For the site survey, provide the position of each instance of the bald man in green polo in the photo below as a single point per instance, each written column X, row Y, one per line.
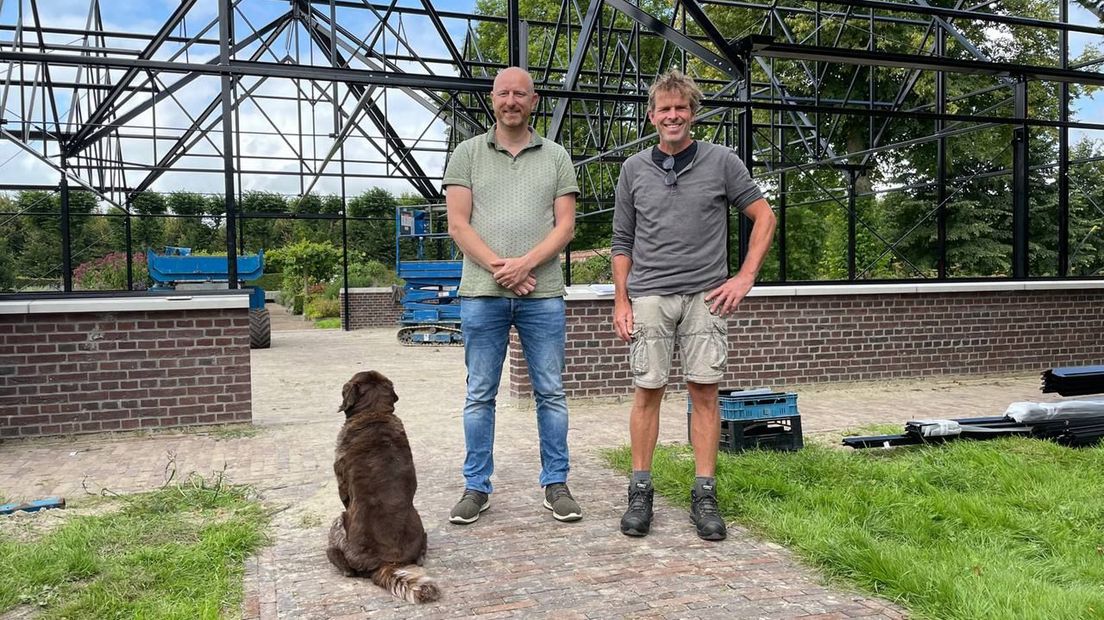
column 511, row 210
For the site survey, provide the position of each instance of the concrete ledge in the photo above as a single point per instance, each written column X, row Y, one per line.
column 126, row 304
column 590, row 292
column 370, row 289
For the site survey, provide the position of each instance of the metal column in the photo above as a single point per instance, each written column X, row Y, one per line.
column 226, row 28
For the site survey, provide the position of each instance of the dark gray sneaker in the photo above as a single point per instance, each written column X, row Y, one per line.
column 704, row 514
column 558, row 499
column 468, row 508
column 637, row 520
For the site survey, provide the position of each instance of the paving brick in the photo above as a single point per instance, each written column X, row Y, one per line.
column 516, row 561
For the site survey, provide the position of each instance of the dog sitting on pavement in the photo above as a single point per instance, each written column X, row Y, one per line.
column 379, row 535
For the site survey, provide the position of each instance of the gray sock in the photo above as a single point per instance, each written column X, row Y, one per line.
column 642, row 475
column 700, row 482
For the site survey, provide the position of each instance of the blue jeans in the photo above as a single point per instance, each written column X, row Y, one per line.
column 540, row 324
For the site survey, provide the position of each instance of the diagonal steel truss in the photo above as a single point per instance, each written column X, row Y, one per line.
column 340, row 95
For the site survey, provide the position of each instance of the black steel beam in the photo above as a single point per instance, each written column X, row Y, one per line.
column 107, row 104
column 713, row 34
column 968, row 14
column 1063, row 148
column 764, row 46
column 185, row 141
column 66, row 236
column 401, row 158
column 941, row 196
column 675, row 37
column 514, row 41
column 169, row 90
column 1020, row 172
column 574, row 66
column 226, row 35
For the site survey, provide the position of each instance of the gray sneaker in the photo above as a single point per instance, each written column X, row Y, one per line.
column 558, row 499
column 468, row 508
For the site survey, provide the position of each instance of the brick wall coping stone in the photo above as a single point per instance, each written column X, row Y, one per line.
column 587, row 292
column 369, row 289
column 150, row 303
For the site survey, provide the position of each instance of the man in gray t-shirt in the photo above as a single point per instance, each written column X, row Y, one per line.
column 671, row 283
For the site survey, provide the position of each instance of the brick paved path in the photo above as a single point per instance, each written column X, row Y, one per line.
column 516, row 561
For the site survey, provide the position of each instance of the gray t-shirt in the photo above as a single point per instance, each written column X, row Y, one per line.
column 512, row 205
column 676, row 235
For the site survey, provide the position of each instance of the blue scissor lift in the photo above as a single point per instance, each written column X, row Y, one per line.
column 431, row 304
column 178, row 269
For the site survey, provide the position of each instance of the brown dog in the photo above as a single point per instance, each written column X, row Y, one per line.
column 379, row 535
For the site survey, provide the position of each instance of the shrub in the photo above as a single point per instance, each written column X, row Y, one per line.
column 370, row 273
column 268, row 281
column 322, row 308
column 596, row 269
column 304, row 263
column 109, row 273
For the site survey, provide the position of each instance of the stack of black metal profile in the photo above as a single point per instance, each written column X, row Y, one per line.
column 919, row 432
column 1071, row 432
column 1072, row 423
column 1074, row 380
column 1074, row 433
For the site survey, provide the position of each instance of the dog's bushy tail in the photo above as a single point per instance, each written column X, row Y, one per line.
column 406, row 582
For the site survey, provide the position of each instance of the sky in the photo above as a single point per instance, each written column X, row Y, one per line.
column 258, row 143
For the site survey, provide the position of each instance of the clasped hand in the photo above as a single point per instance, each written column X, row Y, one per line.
column 514, row 274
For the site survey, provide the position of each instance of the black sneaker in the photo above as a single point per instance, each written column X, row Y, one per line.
column 468, row 508
column 637, row 520
column 704, row 514
column 558, row 499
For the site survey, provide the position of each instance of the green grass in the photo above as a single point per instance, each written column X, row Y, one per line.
column 330, row 323
column 1010, row 528
column 173, row 553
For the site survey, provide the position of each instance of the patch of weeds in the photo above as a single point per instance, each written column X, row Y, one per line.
column 234, row 431
column 175, row 552
column 330, row 323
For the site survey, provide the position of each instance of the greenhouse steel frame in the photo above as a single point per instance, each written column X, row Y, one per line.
column 75, row 99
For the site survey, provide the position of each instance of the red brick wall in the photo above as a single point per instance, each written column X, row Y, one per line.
column 93, row 372
column 371, row 307
column 776, row 341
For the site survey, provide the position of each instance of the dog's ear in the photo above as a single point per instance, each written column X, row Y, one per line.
column 349, row 396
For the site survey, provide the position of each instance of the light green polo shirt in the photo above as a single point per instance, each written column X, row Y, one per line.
column 511, row 205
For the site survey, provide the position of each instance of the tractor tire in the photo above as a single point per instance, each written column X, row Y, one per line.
column 260, row 329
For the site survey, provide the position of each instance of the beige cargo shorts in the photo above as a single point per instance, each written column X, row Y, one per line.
column 661, row 320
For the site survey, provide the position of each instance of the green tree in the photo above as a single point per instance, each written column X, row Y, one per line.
column 149, row 229
column 304, row 264
column 12, row 240
column 39, row 253
column 192, row 228
column 1086, row 205
column 262, row 233
column 316, row 229
column 372, row 234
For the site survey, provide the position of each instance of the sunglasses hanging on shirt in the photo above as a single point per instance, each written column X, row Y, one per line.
column 669, row 165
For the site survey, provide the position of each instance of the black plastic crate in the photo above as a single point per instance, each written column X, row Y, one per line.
column 781, row 434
